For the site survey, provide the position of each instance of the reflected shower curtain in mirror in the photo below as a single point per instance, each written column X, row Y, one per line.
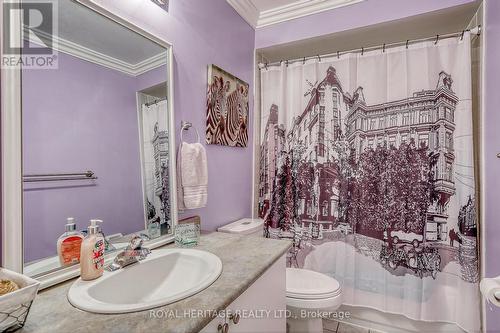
column 366, row 163
column 154, row 122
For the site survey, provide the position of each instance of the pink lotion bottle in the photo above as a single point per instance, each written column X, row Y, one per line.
column 69, row 244
column 92, row 253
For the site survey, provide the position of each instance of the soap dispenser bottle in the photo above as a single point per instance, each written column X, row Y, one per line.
column 92, row 254
column 69, row 244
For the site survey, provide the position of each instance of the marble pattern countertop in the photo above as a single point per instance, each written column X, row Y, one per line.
column 244, row 260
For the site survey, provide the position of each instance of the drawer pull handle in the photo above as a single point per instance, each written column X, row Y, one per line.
column 235, row 318
column 223, row 328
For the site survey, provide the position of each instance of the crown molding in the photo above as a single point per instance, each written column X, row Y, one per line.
column 247, row 11
column 84, row 53
column 294, row 10
column 150, row 63
column 299, row 9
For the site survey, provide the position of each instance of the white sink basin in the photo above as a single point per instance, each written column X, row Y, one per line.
column 165, row 276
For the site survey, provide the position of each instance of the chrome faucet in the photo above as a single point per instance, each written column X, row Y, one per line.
column 132, row 254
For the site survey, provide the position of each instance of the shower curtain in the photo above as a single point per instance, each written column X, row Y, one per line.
column 366, row 164
column 154, row 142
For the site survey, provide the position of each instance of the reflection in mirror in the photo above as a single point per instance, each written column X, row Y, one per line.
column 95, row 139
column 153, row 122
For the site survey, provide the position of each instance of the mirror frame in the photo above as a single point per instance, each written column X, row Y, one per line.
column 11, row 154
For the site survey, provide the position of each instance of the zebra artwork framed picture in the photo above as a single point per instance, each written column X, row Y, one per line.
column 227, row 109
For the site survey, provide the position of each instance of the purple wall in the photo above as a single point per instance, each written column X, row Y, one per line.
column 80, row 117
column 354, row 16
column 204, row 32
column 151, row 78
column 491, row 176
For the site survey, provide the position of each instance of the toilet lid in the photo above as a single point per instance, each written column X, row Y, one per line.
column 243, row 226
column 306, row 284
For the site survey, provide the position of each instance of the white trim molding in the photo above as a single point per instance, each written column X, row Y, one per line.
column 11, row 141
column 247, row 11
column 84, row 53
column 485, row 304
column 300, row 8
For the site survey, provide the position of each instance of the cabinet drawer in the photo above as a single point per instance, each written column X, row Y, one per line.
column 261, row 308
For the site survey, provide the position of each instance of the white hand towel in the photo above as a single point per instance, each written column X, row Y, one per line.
column 180, row 192
column 193, row 175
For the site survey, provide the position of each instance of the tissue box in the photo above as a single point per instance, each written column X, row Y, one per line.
column 187, row 232
column 15, row 306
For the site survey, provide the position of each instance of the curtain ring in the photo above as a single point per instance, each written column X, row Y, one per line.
column 265, row 65
column 338, row 55
column 437, row 39
column 462, row 37
column 407, row 41
column 304, row 61
column 286, row 63
column 383, row 48
column 362, row 50
column 319, row 58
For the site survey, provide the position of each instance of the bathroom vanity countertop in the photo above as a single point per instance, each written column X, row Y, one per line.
column 244, row 260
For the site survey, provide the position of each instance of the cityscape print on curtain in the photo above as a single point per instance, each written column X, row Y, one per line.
column 366, row 163
column 154, row 132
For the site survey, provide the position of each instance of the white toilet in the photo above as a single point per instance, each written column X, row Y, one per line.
column 310, row 295
column 251, row 227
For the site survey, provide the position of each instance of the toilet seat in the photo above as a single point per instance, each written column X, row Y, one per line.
column 314, row 304
column 304, row 284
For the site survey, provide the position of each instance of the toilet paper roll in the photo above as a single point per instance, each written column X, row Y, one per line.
column 490, row 288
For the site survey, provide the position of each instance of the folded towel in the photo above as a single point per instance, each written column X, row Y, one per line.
column 193, row 176
column 180, row 192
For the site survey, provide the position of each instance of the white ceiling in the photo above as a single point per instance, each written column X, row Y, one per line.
column 261, row 13
column 85, row 27
column 87, row 35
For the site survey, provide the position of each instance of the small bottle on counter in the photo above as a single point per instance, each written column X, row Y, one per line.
column 92, row 253
column 69, row 244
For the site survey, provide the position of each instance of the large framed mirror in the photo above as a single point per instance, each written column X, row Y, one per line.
column 96, row 141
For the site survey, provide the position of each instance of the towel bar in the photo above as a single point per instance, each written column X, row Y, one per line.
column 50, row 177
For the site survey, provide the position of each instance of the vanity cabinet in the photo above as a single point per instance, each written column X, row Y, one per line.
column 261, row 308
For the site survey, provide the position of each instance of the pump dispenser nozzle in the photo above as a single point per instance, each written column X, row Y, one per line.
column 94, row 227
column 70, row 224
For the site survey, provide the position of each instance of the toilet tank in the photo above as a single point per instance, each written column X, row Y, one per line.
column 247, row 226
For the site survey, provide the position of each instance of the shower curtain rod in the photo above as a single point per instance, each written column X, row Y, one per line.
column 474, row 31
column 156, row 101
